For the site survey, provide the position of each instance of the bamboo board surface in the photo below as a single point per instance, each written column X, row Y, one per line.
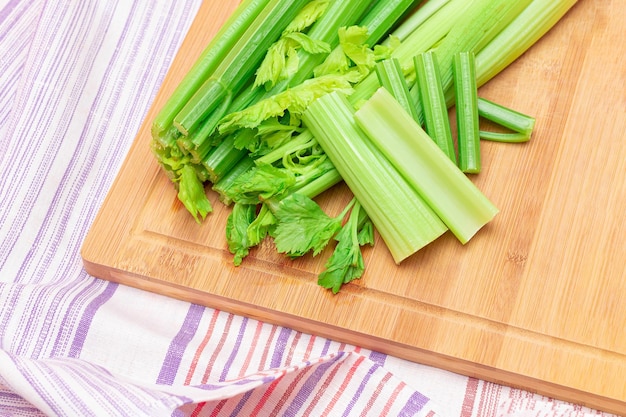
column 535, row 300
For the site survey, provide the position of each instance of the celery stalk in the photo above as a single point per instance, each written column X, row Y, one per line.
column 383, row 16
column 511, row 119
column 468, row 139
column 239, row 64
column 447, row 190
column 528, row 27
column 433, row 102
column 481, row 24
column 391, row 77
column 212, row 55
column 403, row 220
column 418, row 17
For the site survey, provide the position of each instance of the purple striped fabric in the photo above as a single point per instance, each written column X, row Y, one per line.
column 76, row 79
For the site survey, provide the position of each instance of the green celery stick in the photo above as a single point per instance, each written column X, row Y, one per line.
column 433, row 102
column 213, row 54
column 239, row 64
column 391, row 77
column 519, row 123
column 450, row 194
column 384, row 194
column 466, row 94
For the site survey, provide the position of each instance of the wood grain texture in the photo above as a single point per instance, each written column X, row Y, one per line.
column 536, row 300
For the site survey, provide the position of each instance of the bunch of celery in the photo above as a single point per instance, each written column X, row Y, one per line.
column 252, row 120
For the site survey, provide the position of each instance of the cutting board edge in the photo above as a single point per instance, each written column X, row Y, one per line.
column 368, row 341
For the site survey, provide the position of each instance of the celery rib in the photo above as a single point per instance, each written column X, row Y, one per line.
column 391, row 77
column 453, row 197
column 433, row 102
column 385, row 195
column 468, row 138
column 239, row 64
column 211, row 56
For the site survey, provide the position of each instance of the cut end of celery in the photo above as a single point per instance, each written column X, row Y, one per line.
column 443, row 186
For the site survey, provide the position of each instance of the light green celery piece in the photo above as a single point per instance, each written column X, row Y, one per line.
column 528, row 27
column 479, row 26
column 456, row 200
column 466, row 94
column 424, row 12
column 391, row 77
column 212, row 55
column 295, row 100
column 405, row 222
column 433, row 102
column 385, row 15
column 239, row 64
column 508, row 118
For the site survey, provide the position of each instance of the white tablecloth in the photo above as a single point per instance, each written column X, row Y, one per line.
column 76, row 79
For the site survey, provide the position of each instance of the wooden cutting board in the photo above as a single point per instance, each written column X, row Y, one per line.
column 536, row 300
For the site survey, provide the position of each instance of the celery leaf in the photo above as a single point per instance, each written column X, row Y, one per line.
column 261, row 183
column 295, row 100
column 262, row 226
column 346, row 263
column 240, row 218
column 303, row 226
column 307, row 16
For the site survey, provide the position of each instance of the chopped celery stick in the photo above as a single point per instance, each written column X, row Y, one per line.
column 509, row 118
column 405, row 222
column 468, row 139
column 512, row 137
column 455, row 199
column 433, row 102
column 391, row 77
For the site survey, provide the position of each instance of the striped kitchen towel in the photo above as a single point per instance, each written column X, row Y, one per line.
column 76, row 80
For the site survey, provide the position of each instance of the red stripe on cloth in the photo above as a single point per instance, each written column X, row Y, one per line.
column 470, row 397
column 218, row 349
column 393, row 398
column 196, row 411
column 343, row 386
column 200, row 349
column 431, row 414
column 268, row 348
column 266, row 396
column 309, row 348
column 218, row 408
column 252, row 350
column 290, row 390
column 322, row 389
column 292, row 348
column 375, row 395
